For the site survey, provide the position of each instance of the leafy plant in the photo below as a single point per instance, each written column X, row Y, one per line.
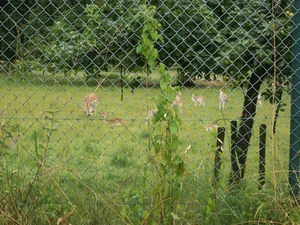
column 149, row 35
column 168, row 163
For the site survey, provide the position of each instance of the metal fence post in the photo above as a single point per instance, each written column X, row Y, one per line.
column 295, row 108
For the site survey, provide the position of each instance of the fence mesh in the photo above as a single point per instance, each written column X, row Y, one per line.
column 68, row 155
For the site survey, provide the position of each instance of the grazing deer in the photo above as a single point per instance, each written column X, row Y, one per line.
column 89, row 105
column 223, row 99
column 113, row 121
column 259, row 98
column 178, row 102
column 151, row 113
column 198, row 100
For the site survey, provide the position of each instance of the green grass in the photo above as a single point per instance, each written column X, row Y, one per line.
column 65, row 161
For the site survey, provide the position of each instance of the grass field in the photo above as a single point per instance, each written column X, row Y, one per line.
column 66, row 162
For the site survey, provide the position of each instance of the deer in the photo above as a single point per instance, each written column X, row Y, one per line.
column 198, row 100
column 113, row 121
column 259, row 98
column 89, row 105
column 211, row 126
column 223, row 99
column 151, row 113
column 178, row 102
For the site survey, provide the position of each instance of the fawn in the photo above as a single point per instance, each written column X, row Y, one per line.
column 113, row 121
column 223, row 99
column 89, row 105
column 198, row 100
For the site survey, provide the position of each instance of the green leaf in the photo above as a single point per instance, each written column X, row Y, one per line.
column 151, row 63
column 170, row 96
column 138, row 48
column 162, row 84
column 210, row 206
column 174, row 143
column 158, row 116
column 161, row 69
column 176, row 160
column 173, row 127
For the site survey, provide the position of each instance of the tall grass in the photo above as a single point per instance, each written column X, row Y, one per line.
column 68, row 166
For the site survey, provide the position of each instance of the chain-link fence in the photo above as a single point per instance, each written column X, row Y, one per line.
column 155, row 112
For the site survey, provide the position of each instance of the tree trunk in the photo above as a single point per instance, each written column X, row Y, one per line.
column 242, row 139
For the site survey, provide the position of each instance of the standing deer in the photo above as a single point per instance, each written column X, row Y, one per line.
column 223, row 99
column 151, row 113
column 198, row 100
column 178, row 102
column 89, row 105
column 113, row 121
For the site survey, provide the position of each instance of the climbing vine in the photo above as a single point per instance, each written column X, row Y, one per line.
column 149, row 35
column 164, row 139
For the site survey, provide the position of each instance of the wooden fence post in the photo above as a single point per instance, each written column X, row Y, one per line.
column 262, row 155
column 217, row 163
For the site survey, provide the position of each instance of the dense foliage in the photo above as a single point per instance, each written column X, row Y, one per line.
column 200, row 38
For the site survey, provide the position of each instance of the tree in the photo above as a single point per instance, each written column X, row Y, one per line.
column 13, row 16
column 256, row 48
column 104, row 38
column 191, row 38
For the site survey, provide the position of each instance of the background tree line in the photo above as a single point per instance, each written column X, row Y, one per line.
column 229, row 37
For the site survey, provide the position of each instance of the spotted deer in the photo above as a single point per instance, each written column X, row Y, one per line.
column 223, row 99
column 89, row 105
column 198, row 100
column 113, row 121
